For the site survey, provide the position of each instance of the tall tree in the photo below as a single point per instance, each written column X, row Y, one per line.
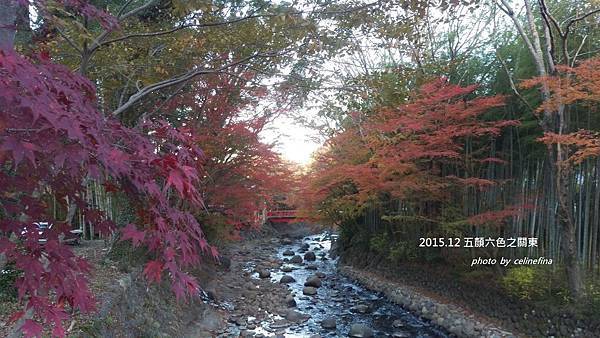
column 553, row 50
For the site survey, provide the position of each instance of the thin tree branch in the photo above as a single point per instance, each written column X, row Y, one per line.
column 124, row 7
column 507, row 9
column 512, row 82
column 579, row 18
column 578, row 50
column 173, row 30
column 179, row 79
column 69, row 41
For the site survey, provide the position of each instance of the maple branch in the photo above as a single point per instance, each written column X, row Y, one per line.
column 173, row 30
column 120, row 18
column 179, row 79
column 69, row 41
column 172, row 95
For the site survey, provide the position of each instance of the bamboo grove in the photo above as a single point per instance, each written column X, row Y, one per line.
column 400, row 163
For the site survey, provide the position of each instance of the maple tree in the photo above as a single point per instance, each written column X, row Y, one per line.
column 239, row 172
column 571, row 86
column 414, row 152
column 52, row 140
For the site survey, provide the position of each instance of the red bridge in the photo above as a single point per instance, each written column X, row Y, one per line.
column 281, row 216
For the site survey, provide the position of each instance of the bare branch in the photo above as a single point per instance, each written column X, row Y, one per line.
column 122, row 10
column 579, row 18
column 506, row 8
column 512, row 82
column 578, row 50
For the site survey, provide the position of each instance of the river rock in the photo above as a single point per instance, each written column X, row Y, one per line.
column 360, row 331
column 311, row 267
column 296, row 259
column 320, row 275
column 287, row 268
column 264, row 273
column 398, row 323
column 313, row 281
column 286, row 241
column 310, row 256
column 290, row 301
column 286, row 279
column 360, row 308
column 309, row 291
column 295, row 316
column 305, row 246
column 288, row 253
column 328, row 323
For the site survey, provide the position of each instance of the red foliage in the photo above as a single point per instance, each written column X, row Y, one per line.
column 572, row 85
column 498, row 217
column 52, row 140
column 402, row 151
column 239, row 172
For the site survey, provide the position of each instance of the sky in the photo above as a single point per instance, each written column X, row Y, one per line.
column 292, row 141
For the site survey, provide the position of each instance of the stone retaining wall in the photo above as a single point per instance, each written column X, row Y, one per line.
column 451, row 317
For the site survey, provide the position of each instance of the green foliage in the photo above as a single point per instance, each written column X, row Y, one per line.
column 126, row 256
column 379, row 243
column 217, row 228
column 8, row 291
column 535, row 283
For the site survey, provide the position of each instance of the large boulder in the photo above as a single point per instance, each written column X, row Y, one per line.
column 360, row 331
column 286, row 279
column 263, row 273
column 310, row 256
column 313, row 281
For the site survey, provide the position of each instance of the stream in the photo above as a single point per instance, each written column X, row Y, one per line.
column 354, row 309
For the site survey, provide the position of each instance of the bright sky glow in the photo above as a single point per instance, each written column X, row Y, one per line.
column 292, row 140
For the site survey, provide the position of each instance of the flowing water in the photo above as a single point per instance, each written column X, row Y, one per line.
column 342, row 299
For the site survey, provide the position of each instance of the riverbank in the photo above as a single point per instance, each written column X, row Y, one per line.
column 476, row 294
column 454, row 318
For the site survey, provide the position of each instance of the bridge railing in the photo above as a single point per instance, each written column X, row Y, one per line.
column 281, row 214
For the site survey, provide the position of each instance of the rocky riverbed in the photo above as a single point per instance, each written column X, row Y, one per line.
column 291, row 288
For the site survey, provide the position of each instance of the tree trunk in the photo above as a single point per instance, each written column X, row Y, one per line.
column 567, row 225
column 8, row 17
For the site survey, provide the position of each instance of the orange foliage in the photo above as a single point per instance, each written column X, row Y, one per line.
column 572, row 85
column 402, row 151
column 498, row 217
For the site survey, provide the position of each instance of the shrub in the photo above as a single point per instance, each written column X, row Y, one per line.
column 8, row 291
column 535, row 283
